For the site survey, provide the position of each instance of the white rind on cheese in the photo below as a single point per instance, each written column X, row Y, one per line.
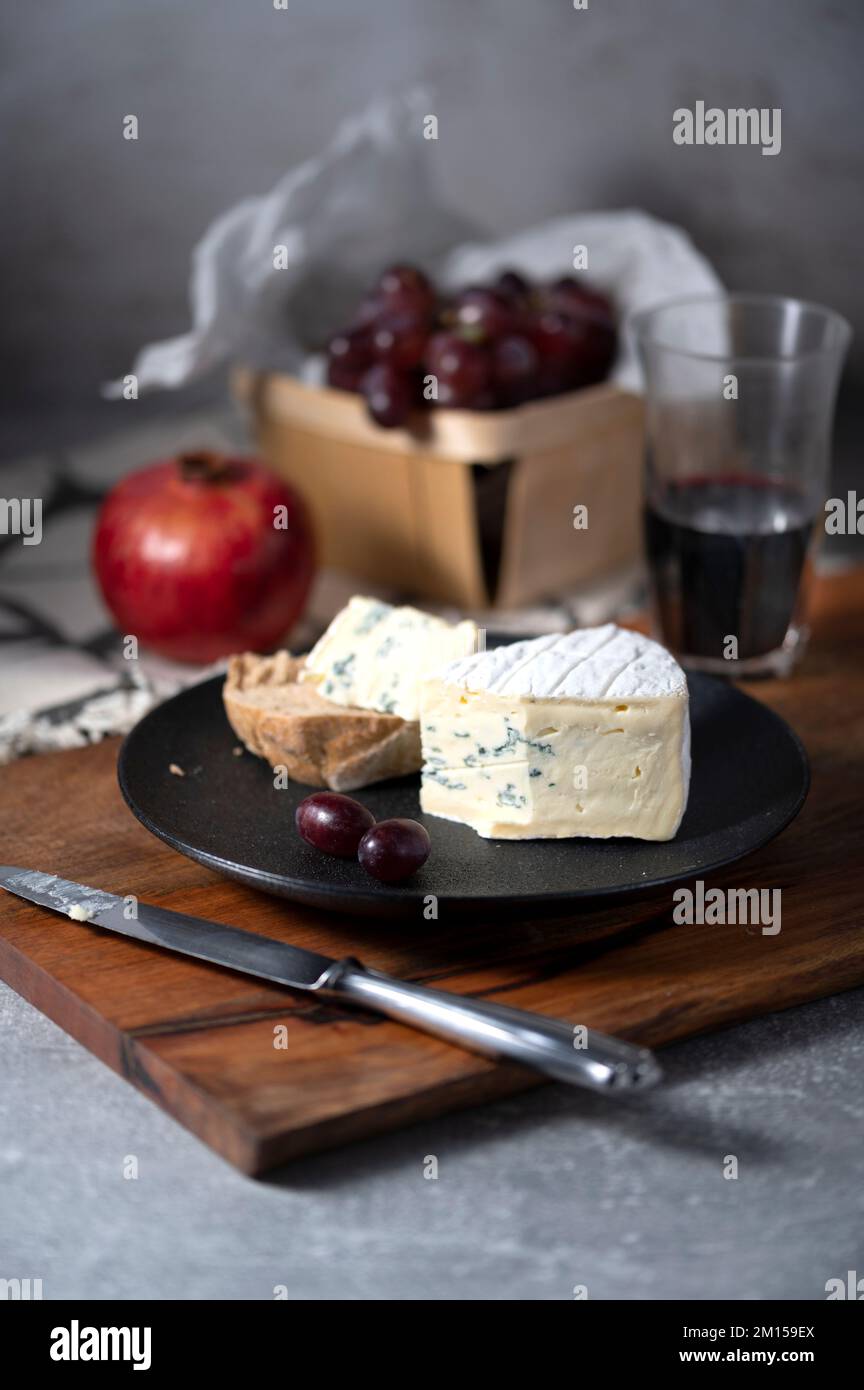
column 374, row 655
column 584, row 734
column 597, row 663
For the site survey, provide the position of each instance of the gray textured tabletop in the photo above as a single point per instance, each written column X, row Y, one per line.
column 535, row 1196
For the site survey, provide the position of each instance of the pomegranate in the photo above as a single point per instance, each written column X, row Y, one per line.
column 204, row 555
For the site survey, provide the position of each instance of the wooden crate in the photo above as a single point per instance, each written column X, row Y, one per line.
column 405, row 508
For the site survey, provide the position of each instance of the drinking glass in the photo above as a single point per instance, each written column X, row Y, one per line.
column 740, row 393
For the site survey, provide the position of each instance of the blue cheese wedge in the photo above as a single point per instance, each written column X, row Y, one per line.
column 373, row 655
column 582, row 734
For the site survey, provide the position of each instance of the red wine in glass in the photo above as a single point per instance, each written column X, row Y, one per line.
column 727, row 555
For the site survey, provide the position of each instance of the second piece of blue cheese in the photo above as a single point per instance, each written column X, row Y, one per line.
column 373, row 655
column 582, row 734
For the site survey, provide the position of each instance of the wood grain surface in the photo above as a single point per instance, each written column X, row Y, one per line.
column 200, row 1040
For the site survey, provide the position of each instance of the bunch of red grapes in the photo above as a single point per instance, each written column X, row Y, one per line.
column 489, row 347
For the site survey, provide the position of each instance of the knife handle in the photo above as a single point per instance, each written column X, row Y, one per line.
column 578, row 1056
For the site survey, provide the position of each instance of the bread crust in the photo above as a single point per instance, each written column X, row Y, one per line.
column 318, row 743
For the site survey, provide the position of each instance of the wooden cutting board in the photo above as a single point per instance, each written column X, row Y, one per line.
column 202, row 1042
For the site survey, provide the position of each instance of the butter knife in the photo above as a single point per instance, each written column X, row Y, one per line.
column 577, row 1055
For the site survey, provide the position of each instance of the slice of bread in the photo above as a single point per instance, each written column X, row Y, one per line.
column 319, row 743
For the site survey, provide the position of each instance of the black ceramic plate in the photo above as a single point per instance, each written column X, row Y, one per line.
column 750, row 777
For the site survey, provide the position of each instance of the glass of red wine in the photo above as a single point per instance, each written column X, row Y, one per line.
column 740, row 394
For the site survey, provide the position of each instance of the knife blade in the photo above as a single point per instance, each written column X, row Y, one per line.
column 159, row 926
column 568, row 1052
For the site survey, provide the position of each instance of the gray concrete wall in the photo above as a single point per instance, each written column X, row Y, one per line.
column 542, row 110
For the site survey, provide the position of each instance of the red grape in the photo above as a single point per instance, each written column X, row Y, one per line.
column 394, row 849
column 515, row 364
column 463, row 370
column 333, row 823
column 487, row 400
column 400, row 339
column 406, row 288
column 571, row 296
column 489, row 312
column 390, row 395
column 556, row 341
column 352, row 349
column 557, row 337
column 349, row 355
column 573, row 351
column 597, row 355
column 514, row 286
column 345, row 378
column 369, row 309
